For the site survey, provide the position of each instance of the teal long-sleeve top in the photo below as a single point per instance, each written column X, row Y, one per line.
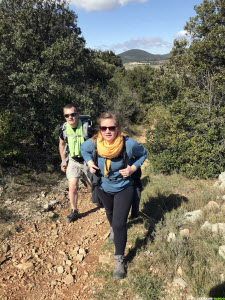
column 136, row 155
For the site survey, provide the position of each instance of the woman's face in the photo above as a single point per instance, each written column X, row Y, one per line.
column 108, row 129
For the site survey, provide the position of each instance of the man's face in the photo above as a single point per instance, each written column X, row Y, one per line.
column 71, row 116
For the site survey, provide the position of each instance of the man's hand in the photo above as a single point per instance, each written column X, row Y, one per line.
column 128, row 171
column 63, row 168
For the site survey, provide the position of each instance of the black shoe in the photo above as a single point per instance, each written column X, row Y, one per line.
column 73, row 216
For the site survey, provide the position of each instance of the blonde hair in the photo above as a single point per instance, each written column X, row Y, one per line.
column 104, row 116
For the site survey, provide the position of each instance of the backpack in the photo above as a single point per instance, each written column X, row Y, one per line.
column 86, row 129
column 95, row 179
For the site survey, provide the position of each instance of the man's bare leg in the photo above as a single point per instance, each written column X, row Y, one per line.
column 73, row 192
column 73, row 196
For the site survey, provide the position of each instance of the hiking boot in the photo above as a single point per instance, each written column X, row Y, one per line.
column 73, row 216
column 119, row 271
column 111, row 236
column 134, row 215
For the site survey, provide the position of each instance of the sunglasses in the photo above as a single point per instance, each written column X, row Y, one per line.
column 111, row 128
column 70, row 115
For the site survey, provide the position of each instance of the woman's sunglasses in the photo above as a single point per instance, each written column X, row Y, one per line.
column 111, row 128
column 72, row 115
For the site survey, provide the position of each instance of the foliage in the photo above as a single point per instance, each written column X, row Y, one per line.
column 9, row 137
column 208, row 34
column 111, row 58
column 189, row 136
column 44, row 65
column 138, row 90
column 181, row 142
column 41, row 57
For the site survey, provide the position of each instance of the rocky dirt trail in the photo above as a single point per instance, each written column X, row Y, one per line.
column 47, row 258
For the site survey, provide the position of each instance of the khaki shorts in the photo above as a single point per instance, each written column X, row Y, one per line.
column 77, row 170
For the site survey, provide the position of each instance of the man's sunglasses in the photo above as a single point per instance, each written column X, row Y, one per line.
column 111, row 128
column 70, row 115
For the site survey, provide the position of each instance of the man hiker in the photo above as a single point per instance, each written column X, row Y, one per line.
column 70, row 139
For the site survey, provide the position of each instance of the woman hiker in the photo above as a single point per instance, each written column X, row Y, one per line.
column 116, row 188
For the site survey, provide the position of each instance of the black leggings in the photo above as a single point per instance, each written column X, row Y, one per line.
column 117, row 208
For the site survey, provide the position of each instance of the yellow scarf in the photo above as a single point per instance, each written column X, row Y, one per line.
column 109, row 150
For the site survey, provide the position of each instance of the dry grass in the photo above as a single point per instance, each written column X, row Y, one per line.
column 165, row 199
column 153, row 261
column 21, row 186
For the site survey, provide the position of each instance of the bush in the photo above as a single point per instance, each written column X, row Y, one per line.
column 181, row 142
column 9, row 139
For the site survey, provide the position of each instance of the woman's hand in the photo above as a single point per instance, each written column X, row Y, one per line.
column 92, row 167
column 128, row 171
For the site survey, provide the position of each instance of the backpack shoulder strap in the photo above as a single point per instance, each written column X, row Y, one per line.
column 137, row 174
column 64, row 131
column 124, row 152
column 95, row 157
column 66, row 148
column 86, row 126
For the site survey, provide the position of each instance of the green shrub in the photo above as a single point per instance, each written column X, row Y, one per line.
column 9, row 139
column 184, row 141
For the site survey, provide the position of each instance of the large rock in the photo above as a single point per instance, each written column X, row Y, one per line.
column 180, row 282
column 171, row 237
column 79, row 257
column 179, row 271
column 222, row 186
column 193, row 216
column 69, row 262
column 218, row 228
column 222, row 177
column 60, row 270
column 5, row 248
column 212, row 206
column 26, row 266
column 221, row 181
column 222, row 251
column 47, row 206
column 207, row 226
column 68, row 279
column 82, row 251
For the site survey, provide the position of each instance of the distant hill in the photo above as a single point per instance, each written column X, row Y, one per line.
column 136, row 55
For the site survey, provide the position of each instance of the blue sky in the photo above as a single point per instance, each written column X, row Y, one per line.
column 120, row 25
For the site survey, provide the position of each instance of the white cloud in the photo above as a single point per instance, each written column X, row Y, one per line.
column 96, row 5
column 183, row 34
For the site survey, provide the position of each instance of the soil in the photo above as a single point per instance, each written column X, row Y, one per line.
column 48, row 258
column 45, row 257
